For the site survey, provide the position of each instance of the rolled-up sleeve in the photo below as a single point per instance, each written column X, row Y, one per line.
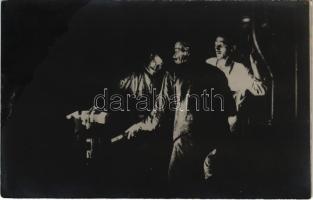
column 247, row 81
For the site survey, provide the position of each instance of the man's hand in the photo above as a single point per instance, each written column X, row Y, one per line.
column 133, row 131
column 258, row 88
column 84, row 117
column 232, row 121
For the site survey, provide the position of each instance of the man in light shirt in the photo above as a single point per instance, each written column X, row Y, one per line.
column 240, row 79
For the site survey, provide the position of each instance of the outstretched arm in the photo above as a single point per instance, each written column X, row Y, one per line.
column 88, row 117
column 149, row 124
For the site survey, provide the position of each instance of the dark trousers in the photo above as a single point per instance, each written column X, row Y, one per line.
column 191, row 166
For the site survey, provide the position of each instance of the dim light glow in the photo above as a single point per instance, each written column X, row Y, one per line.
column 246, row 19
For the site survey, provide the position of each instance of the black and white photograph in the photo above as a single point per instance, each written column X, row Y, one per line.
column 155, row 99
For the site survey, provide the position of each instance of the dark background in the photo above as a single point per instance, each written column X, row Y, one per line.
column 56, row 55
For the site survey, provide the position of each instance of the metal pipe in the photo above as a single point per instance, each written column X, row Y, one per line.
column 268, row 69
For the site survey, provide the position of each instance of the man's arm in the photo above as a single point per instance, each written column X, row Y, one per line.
column 153, row 120
column 230, row 104
column 88, row 117
column 257, row 87
column 148, row 124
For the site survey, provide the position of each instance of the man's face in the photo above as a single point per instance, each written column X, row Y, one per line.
column 181, row 53
column 221, row 49
column 156, row 63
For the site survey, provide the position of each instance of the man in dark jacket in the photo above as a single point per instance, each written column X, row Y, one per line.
column 200, row 123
